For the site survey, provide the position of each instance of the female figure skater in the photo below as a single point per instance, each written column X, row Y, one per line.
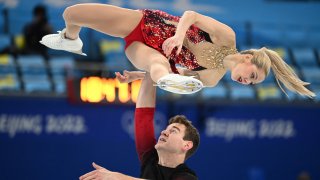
column 156, row 42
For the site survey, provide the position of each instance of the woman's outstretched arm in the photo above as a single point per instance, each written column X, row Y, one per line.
column 217, row 31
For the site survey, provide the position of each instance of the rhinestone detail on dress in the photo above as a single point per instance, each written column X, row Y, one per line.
column 213, row 56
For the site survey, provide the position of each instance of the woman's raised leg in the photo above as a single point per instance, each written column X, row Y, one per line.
column 112, row 20
column 148, row 59
column 108, row 19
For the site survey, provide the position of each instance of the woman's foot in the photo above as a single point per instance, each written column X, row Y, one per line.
column 176, row 83
column 60, row 42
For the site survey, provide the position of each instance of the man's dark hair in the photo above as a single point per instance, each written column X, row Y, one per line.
column 191, row 133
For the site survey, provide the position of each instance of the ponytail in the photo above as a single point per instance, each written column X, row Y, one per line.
column 285, row 74
column 265, row 59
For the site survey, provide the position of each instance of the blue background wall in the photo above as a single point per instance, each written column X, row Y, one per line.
column 53, row 139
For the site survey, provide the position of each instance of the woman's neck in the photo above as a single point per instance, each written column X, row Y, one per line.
column 230, row 61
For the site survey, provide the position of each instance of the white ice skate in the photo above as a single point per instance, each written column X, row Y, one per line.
column 59, row 42
column 178, row 84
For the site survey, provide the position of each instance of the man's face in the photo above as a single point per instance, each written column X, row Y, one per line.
column 171, row 139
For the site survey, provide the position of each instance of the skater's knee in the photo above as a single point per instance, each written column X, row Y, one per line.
column 70, row 13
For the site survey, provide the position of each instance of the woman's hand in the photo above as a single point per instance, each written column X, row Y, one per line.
column 129, row 76
column 169, row 44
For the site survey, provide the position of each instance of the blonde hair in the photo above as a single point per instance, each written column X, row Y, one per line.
column 265, row 59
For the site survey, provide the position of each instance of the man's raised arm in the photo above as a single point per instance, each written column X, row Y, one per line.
column 144, row 116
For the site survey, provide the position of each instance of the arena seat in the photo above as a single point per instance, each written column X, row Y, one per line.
column 9, row 82
column 239, row 91
column 304, row 57
column 311, row 74
column 7, row 64
column 32, row 64
column 219, row 91
column 269, row 91
column 60, row 64
column 5, row 41
column 60, row 67
column 36, row 83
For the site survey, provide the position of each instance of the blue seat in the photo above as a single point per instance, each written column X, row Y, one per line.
column 32, row 64
column 5, row 41
column 311, row 74
column 109, row 44
column 7, row 65
column 270, row 85
column 238, row 91
column 219, row 91
column 9, row 82
column 34, row 73
column 304, row 57
column 314, row 38
column 60, row 64
column 269, row 91
column 295, row 37
column 60, row 67
column 59, row 84
column 6, row 60
column 8, row 74
column 36, row 83
column 264, row 35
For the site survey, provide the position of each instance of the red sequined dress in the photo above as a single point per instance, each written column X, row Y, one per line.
column 157, row 26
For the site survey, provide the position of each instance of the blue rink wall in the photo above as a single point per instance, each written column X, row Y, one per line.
column 53, row 139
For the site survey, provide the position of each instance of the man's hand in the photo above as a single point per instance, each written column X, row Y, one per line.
column 129, row 76
column 101, row 173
